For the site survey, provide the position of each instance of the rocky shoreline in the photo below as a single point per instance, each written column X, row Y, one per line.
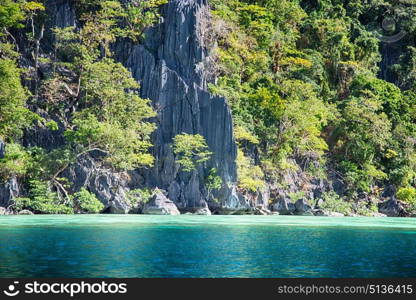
column 160, row 204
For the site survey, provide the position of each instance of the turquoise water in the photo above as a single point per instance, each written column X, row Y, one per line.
column 206, row 246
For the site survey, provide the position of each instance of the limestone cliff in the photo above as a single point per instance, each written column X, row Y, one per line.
column 170, row 67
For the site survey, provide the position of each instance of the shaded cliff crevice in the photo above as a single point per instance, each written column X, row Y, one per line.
column 166, row 66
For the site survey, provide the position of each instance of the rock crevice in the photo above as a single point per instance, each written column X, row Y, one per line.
column 168, row 67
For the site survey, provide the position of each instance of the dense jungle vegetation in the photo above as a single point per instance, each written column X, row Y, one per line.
column 94, row 98
column 306, row 86
column 306, row 81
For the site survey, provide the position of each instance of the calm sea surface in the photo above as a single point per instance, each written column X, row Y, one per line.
column 206, row 246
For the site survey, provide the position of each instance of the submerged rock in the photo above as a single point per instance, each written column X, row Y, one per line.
column 377, row 214
column 325, row 213
column 203, row 211
column 25, row 212
column 262, row 211
column 160, row 205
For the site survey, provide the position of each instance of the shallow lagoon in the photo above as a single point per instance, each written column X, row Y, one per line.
column 206, row 246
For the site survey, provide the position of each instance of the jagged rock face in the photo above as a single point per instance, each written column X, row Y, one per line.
column 8, row 191
column 170, row 68
column 62, row 13
column 10, row 188
column 2, row 149
column 303, row 208
column 160, row 205
column 284, row 206
column 108, row 186
column 392, row 208
column 390, row 54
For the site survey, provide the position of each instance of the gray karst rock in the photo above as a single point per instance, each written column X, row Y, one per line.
column 284, row 206
column 392, row 208
column 260, row 210
column 63, row 13
column 8, row 191
column 10, row 188
column 319, row 203
column 3, row 211
column 2, row 148
column 203, row 211
column 303, row 208
column 170, row 68
column 378, row 214
column 296, row 180
column 232, row 202
column 160, row 205
column 389, row 191
column 110, row 187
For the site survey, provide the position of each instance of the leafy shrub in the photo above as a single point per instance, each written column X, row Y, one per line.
column 408, row 195
column 296, row 196
column 15, row 162
column 136, row 196
column 20, row 203
column 122, row 147
column 250, row 177
column 11, row 14
column 42, row 200
column 213, row 181
column 87, row 202
column 334, row 203
column 14, row 116
column 242, row 134
column 364, row 209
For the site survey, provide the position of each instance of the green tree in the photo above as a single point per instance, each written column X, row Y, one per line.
column 107, row 115
column 213, row 181
column 87, row 202
column 14, row 116
column 190, row 150
column 43, row 200
column 16, row 161
column 365, row 132
column 111, row 118
column 250, row 177
column 11, row 15
column 408, row 196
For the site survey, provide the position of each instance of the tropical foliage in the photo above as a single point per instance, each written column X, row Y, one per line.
column 316, row 88
column 309, row 90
